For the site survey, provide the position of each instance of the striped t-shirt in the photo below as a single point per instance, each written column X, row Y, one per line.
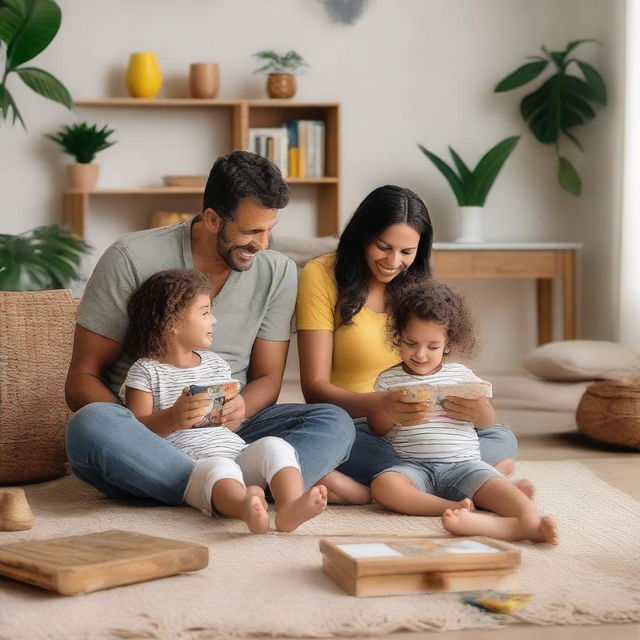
column 165, row 383
column 440, row 438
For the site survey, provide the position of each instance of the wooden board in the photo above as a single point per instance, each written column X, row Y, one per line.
column 359, row 557
column 407, row 583
column 81, row 564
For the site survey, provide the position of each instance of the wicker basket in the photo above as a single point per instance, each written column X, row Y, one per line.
column 610, row 412
column 36, row 340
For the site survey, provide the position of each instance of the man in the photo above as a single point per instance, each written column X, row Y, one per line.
column 254, row 298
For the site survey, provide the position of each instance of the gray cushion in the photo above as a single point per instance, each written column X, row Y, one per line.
column 300, row 249
column 582, row 360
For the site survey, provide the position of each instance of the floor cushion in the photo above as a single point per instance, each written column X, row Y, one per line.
column 36, row 340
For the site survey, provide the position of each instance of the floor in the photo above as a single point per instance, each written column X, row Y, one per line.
column 548, row 435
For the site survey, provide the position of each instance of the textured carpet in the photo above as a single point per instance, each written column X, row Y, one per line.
column 272, row 585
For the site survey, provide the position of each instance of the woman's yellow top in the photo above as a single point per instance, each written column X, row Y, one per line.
column 360, row 351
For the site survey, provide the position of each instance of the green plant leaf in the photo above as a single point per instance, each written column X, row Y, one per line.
column 39, row 27
column 558, row 57
column 521, row 75
column 46, row 85
column 466, row 175
column 568, row 177
column 574, row 43
column 573, row 139
column 489, row 166
column 7, row 104
column 10, row 19
column 595, row 82
column 449, row 174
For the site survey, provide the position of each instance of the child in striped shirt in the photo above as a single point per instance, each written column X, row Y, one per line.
column 442, row 473
column 169, row 336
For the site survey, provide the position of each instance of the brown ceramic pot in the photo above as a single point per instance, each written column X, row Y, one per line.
column 204, row 79
column 83, row 176
column 281, row 85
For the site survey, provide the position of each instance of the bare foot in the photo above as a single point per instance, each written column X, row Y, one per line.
column 254, row 514
column 527, row 487
column 307, row 506
column 549, row 530
column 255, row 490
column 467, row 504
column 506, row 467
column 457, row 521
column 341, row 489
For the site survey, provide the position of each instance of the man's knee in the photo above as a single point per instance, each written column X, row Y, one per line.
column 92, row 423
column 337, row 422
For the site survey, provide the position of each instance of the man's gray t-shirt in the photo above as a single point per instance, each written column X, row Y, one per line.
column 257, row 303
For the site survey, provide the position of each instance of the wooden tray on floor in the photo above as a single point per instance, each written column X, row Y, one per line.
column 82, row 564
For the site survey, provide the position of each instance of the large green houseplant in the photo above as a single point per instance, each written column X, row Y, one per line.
column 471, row 186
column 83, row 142
column 43, row 258
column 561, row 103
column 27, row 27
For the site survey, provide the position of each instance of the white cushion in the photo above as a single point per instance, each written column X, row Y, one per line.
column 582, row 360
column 301, row 249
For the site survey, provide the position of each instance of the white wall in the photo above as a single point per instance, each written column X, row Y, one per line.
column 406, row 72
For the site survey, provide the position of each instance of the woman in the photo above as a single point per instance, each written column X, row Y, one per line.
column 342, row 306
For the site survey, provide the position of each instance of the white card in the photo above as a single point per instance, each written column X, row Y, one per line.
column 368, row 550
column 467, row 546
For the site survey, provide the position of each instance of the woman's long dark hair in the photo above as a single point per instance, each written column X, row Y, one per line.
column 383, row 207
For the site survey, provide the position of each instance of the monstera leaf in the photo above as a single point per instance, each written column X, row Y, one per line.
column 560, row 104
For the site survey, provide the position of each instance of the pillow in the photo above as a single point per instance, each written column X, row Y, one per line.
column 582, row 360
column 301, row 249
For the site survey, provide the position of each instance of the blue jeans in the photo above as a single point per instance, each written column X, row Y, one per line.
column 112, row 451
column 371, row 454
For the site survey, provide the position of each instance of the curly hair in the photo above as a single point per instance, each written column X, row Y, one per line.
column 434, row 301
column 155, row 307
column 239, row 175
column 383, row 207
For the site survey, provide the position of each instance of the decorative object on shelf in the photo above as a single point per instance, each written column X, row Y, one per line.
column 46, row 257
column 204, row 79
column 164, row 218
column 83, row 142
column 144, row 78
column 27, row 29
column 184, row 181
column 471, row 187
column 344, row 11
column 281, row 71
column 560, row 104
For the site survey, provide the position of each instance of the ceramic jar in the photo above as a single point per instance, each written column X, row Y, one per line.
column 204, row 79
column 144, row 77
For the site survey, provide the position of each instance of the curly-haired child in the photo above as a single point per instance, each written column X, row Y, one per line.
column 442, row 473
column 169, row 337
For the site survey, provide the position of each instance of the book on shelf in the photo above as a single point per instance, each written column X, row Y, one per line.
column 297, row 148
column 394, row 566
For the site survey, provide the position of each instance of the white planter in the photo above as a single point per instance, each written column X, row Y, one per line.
column 470, row 224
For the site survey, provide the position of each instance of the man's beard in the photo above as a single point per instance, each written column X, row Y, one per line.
column 226, row 250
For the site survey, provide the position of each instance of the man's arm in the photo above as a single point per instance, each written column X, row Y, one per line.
column 264, row 380
column 92, row 355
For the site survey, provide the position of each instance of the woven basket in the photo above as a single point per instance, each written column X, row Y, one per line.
column 610, row 412
column 36, row 340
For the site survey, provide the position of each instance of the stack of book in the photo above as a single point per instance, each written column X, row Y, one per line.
column 395, row 566
column 297, row 148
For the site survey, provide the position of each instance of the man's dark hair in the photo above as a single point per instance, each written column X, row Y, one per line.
column 239, row 175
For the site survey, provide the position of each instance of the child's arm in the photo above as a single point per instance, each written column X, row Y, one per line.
column 185, row 412
column 394, row 406
column 478, row 411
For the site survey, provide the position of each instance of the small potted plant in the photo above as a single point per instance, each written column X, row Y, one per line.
column 471, row 186
column 83, row 141
column 43, row 258
column 281, row 71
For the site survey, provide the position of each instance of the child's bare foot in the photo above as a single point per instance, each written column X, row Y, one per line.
column 457, row 521
column 548, row 530
column 307, row 506
column 254, row 514
column 341, row 489
column 467, row 503
column 255, row 490
column 527, row 487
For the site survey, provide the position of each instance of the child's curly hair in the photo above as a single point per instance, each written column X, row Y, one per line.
column 155, row 307
column 435, row 301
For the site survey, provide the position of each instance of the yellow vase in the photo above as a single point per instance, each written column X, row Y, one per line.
column 144, row 78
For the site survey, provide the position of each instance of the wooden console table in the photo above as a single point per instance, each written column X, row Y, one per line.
column 543, row 261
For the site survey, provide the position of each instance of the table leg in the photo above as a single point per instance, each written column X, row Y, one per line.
column 545, row 310
column 569, row 295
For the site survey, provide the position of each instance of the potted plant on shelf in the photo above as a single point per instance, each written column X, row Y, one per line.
column 559, row 104
column 471, row 187
column 281, row 71
column 46, row 257
column 83, row 141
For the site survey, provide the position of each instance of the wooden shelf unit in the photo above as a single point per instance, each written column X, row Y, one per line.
column 244, row 114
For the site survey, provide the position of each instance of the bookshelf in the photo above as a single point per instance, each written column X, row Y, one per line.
column 242, row 116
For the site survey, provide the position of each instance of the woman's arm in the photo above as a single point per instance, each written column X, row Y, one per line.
column 382, row 409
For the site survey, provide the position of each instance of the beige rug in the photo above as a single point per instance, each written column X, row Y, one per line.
column 272, row 585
